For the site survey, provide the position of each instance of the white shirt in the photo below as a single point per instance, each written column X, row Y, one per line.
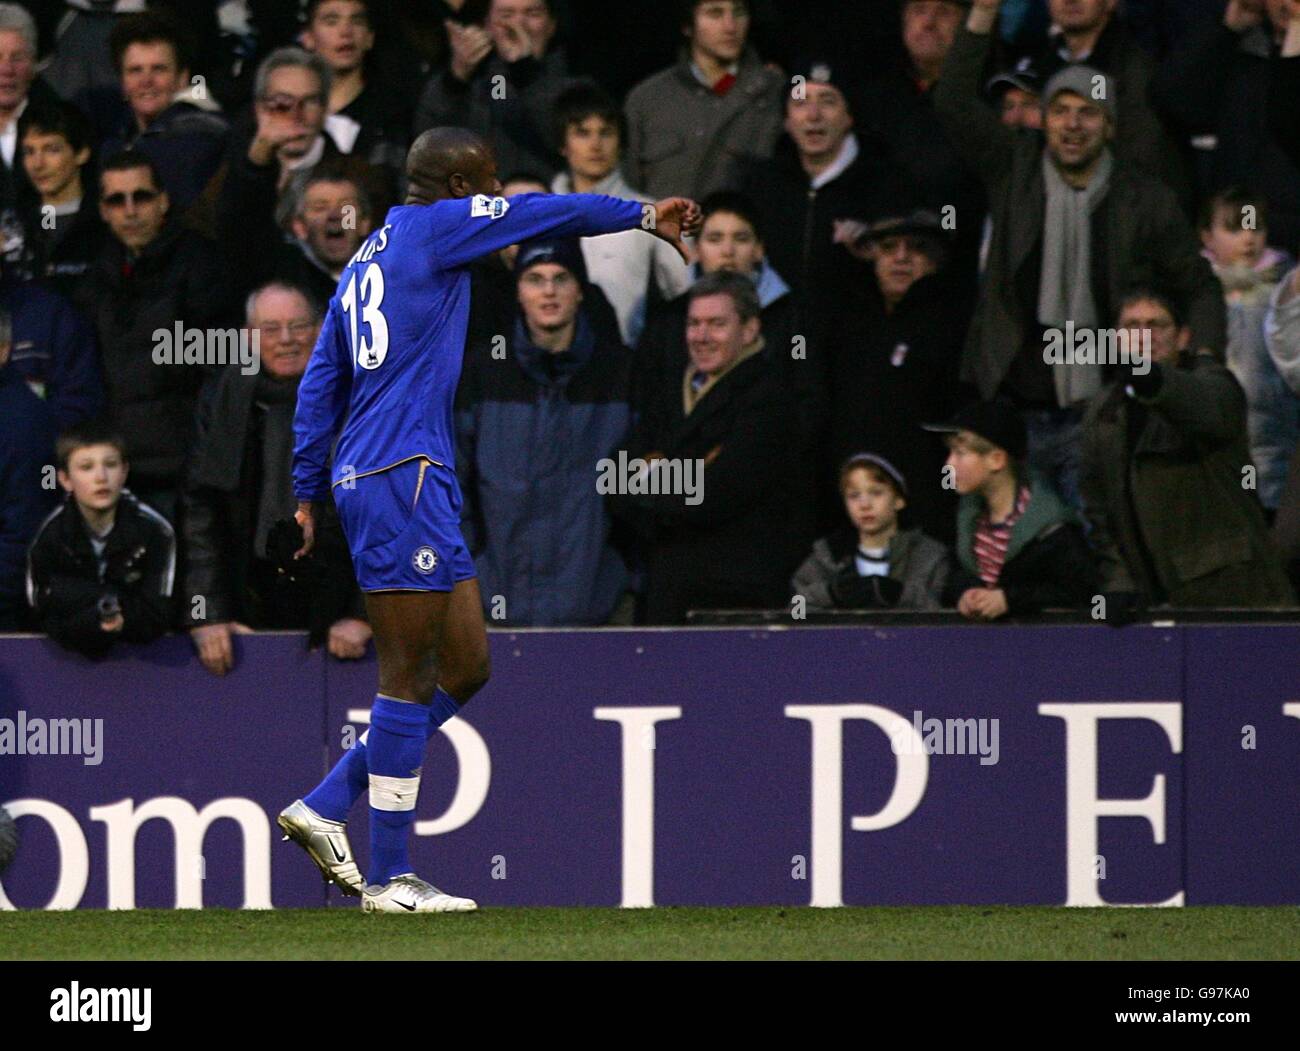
column 623, row 264
column 311, row 157
column 872, row 561
column 847, row 155
column 733, row 69
column 343, row 130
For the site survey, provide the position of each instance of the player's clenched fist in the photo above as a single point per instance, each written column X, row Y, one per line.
column 675, row 218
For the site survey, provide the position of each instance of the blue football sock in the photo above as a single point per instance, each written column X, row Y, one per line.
column 343, row 785
column 394, row 754
column 442, row 708
column 333, row 797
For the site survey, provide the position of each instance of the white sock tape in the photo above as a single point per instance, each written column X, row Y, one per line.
column 394, row 794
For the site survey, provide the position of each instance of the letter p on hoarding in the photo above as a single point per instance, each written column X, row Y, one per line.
column 910, row 777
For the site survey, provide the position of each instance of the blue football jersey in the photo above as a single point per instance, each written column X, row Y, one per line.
column 389, row 353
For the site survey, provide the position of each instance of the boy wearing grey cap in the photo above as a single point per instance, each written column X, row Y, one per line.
column 874, row 564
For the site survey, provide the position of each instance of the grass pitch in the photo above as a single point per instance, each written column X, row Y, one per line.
column 930, row 933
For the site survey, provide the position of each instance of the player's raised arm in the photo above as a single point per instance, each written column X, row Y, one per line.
column 323, row 397
column 464, row 229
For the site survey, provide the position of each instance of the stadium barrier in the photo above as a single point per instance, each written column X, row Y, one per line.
column 706, row 766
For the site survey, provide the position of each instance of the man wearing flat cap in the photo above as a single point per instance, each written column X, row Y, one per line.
column 1074, row 227
column 892, row 353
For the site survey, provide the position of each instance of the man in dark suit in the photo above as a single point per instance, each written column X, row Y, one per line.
column 717, row 480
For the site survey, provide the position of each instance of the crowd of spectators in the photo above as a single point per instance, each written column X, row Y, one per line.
column 870, row 388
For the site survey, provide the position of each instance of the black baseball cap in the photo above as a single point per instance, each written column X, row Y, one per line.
column 1024, row 75
column 997, row 421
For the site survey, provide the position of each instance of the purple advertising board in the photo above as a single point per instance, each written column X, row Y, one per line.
column 730, row 766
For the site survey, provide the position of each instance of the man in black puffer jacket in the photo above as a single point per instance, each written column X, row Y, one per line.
column 152, row 276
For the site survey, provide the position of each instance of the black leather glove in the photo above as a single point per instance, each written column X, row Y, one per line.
column 1147, row 384
column 325, row 576
column 1122, row 608
column 283, row 539
column 851, row 591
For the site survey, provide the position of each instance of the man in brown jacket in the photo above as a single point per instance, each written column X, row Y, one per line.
column 1167, row 480
column 691, row 126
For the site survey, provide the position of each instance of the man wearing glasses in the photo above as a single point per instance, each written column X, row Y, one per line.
column 289, row 104
column 269, row 178
column 238, row 486
column 1165, row 462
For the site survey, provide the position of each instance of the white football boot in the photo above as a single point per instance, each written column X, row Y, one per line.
column 409, row 893
column 326, row 843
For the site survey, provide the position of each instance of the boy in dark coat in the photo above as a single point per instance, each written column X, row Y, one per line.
column 102, row 565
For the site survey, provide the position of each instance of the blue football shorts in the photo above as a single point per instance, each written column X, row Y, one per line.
column 403, row 528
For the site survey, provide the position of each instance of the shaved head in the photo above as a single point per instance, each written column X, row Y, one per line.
column 449, row 162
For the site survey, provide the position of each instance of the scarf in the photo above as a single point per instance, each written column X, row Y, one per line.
column 276, row 399
column 1065, row 282
column 218, row 463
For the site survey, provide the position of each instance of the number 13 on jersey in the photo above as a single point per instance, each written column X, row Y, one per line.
column 368, row 353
